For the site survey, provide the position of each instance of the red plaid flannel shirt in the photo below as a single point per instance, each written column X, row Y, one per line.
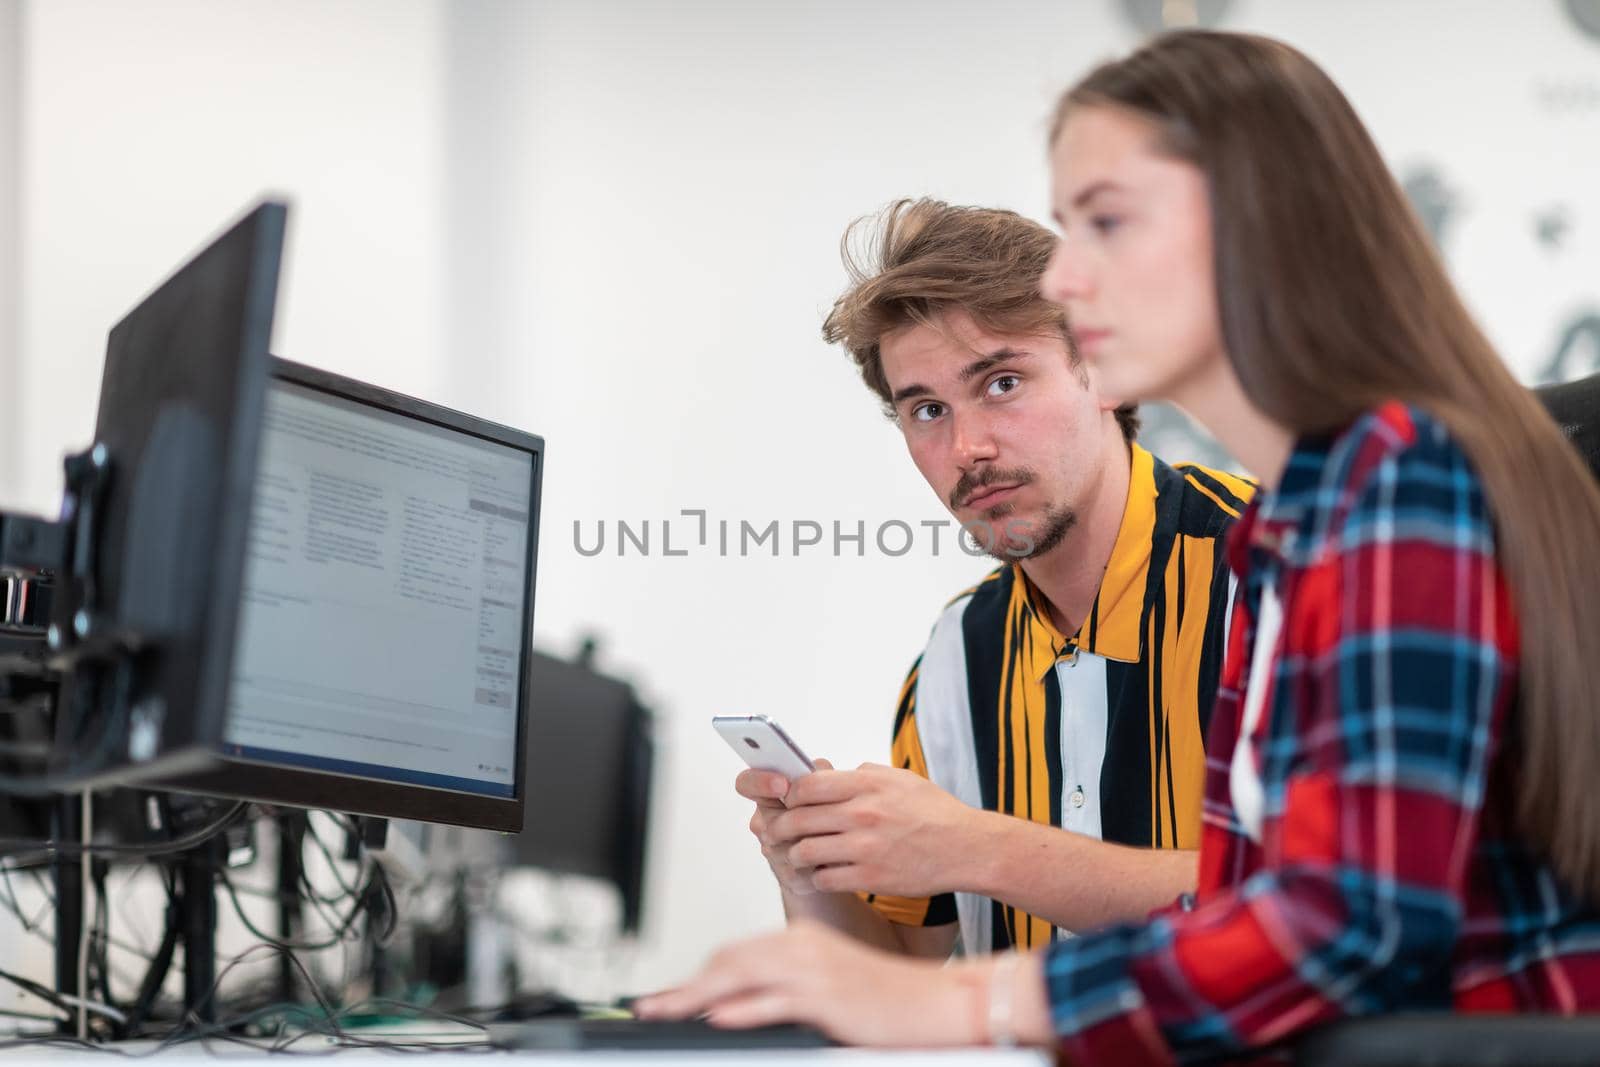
column 1385, row 874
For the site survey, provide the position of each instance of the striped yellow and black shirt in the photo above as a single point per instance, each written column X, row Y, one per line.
column 1099, row 731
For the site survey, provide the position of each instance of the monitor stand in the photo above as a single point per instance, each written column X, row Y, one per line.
column 66, row 828
column 198, row 910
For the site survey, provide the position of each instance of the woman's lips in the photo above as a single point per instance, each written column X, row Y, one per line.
column 1089, row 340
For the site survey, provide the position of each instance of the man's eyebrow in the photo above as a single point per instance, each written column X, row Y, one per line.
column 993, row 359
column 906, row 392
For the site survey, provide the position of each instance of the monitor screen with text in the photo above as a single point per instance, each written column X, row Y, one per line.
column 385, row 595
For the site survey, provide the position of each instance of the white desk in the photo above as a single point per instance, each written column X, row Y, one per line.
column 447, row 1035
column 833, row 1057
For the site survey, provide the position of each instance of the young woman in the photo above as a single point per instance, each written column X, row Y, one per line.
column 1399, row 814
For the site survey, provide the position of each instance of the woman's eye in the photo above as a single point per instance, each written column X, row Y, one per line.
column 1004, row 384
column 927, row 412
column 1104, row 224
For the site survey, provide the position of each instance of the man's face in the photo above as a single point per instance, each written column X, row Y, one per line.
column 1010, row 434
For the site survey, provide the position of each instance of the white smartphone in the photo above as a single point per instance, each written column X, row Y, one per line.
column 762, row 744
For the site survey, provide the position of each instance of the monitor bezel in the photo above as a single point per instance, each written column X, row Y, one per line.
column 246, row 779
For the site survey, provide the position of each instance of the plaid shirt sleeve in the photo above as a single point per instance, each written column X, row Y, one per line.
column 1396, row 663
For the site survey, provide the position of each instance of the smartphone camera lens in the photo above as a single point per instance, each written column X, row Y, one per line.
column 751, row 742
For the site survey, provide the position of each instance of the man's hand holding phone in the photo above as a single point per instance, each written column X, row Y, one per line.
column 875, row 829
column 776, row 762
column 768, row 789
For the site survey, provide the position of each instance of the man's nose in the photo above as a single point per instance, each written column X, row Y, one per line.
column 973, row 441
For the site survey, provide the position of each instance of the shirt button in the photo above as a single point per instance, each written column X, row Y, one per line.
column 1077, row 797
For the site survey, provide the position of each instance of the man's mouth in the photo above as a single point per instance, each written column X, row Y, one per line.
column 989, row 496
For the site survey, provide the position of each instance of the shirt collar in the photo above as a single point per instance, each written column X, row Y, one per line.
column 1112, row 628
column 1278, row 513
column 1269, row 526
column 1272, row 524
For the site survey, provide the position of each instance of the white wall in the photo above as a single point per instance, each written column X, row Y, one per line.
column 148, row 125
column 10, row 106
column 615, row 224
column 1504, row 98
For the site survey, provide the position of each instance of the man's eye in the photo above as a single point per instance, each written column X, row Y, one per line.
column 927, row 412
column 1104, row 224
column 1004, row 384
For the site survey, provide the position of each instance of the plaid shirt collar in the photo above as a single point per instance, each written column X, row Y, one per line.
column 1273, row 531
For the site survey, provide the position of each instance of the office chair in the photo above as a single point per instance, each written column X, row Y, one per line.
column 1576, row 408
column 1437, row 1040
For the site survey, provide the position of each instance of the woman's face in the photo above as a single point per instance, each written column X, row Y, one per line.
column 1134, row 265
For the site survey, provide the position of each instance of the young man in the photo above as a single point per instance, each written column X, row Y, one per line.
column 1047, row 750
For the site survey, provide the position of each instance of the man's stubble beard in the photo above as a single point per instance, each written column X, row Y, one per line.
column 1056, row 524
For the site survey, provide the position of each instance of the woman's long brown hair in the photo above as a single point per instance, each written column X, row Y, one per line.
column 1332, row 301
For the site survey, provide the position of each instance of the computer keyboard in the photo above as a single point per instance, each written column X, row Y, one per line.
column 641, row 1034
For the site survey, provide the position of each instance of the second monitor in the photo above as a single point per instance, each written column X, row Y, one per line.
column 381, row 664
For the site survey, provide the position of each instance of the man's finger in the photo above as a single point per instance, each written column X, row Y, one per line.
column 761, row 785
column 824, row 787
column 841, row 878
column 828, row 850
column 796, row 824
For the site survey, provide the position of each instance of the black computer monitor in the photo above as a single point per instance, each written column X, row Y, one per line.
column 304, row 589
column 590, row 757
column 149, row 638
column 382, row 658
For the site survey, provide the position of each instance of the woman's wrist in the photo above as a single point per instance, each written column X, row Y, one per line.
column 1000, row 1025
column 1002, row 1001
column 1030, row 1002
